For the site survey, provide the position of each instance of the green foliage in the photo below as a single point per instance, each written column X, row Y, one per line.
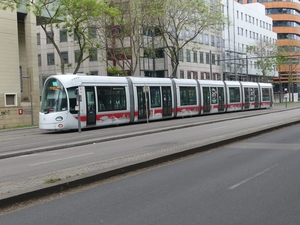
column 173, row 18
column 115, row 71
column 268, row 57
column 52, row 180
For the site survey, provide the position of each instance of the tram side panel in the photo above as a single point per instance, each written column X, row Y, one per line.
column 213, row 96
column 266, row 95
column 188, row 102
column 234, row 96
column 153, row 98
column 113, row 104
column 250, row 93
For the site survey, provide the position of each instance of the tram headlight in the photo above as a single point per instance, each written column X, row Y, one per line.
column 60, row 125
column 59, row 118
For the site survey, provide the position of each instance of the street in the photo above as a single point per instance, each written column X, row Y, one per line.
column 250, row 182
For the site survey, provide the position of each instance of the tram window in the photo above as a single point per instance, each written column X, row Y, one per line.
column 54, row 97
column 72, row 100
column 234, row 94
column 155, row 97
column 188, row 96
column 214, row 95
column 111, row 98
column 265, row 94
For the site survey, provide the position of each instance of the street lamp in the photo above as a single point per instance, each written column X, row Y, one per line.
column 31, row 106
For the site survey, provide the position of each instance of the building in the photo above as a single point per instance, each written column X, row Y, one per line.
column 19, row 86
column 248, row 26
column 286, row 17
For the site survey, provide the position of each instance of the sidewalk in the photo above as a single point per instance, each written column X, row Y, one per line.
column 35, row 186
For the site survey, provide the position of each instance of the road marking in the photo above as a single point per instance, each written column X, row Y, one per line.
column 252, row 177
column 56, row 160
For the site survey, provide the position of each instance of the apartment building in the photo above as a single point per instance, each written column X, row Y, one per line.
column 19, row 95
column 248, row 25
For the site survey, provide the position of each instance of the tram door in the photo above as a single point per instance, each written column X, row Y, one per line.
column 90, row 106
column 206, row 99
column 221, row 99
column 142, row 113
column 247, row 98
column 167, row 101
column 256, row 98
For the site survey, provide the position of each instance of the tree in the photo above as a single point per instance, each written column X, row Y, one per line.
column 75, row 16
column 172, row 18
column 289, row 74
column 267, row 57
column 122, row 39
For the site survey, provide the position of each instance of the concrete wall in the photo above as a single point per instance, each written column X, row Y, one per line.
column 19, row 71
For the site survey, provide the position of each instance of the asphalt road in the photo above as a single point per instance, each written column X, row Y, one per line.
column 163, row 143
column 22, row 141
column 255, row 181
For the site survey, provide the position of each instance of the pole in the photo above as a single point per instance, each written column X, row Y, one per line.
column 210, row 65
column 31, row 104
column 78, row 103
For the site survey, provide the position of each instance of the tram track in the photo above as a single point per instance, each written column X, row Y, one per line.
column 16, row 142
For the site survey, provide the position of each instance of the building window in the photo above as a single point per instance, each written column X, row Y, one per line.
column 218, row 60
column 202, row 75
column 207, row 58
column 93, row 55
column 241, row 16
column 212, row 40
column 75, row 36
column 50, row 59
column 188, row 55
column 63, row 35
column 206, row 39
column 187, row 35
column 218, row 42
column 65, row 56
column 48, row 40
column 38, row 37
column 181, row 55
column 94, row 73
column 195, row 53
column 76, row 55
column 201, row 57
column 195, row 37
column 10, row 99
column 237, row 14
column 189, row 76
column 213, row 59
column 195, row 75
column 181, row 74
column 180, row 35
column 92, row 32
column 201, row 38
column 39, row 60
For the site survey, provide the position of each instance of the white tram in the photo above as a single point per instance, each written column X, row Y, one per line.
column 117, row 100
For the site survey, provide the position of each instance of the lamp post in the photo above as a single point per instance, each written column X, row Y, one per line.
column 31, row 106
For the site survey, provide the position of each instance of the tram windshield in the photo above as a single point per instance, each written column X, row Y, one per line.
column 54, row 98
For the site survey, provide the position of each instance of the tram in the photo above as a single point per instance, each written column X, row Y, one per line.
column 105, row 100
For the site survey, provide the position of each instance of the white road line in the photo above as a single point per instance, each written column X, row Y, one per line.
column 72, row 157
column 250, row 178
